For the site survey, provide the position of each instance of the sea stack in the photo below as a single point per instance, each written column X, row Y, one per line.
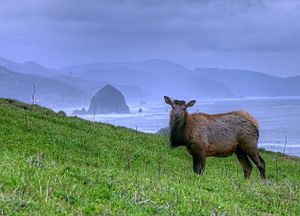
column 108, row 100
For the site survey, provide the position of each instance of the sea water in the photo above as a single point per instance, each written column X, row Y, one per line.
column 279, row 119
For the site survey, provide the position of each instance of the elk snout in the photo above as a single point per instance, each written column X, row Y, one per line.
column 177, row 116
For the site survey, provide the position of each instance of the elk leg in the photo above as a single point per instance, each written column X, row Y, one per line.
column 198, row 164
column 259, row 162
column 202, row 165
column 244, row 161
column 198, row 158
column 263, row 165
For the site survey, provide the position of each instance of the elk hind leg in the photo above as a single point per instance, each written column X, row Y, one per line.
column 244, row 161
column 259, row 162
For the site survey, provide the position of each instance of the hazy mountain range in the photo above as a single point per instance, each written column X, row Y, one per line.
column 29, row 67
column 131, row 92
column 250, row 83
column 144, row 81
column 155, row 77
column 48, row 92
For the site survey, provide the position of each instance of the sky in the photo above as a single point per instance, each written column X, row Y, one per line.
column 261, row 35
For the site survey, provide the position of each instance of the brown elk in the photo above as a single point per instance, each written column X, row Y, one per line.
column 218, row 135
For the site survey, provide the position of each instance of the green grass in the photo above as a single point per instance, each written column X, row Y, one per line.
column 56, row 165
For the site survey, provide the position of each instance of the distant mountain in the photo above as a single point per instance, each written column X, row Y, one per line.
column 163, row 68
column 122, row 75
column 89, row 86
column 80, row 68
column 29, row 67
column 132, row 93
column 153, row 67
column 48, row 92
column 204, row 88
column 150, row 80
column 251, row 83
column 124, row 78
column 155, row 77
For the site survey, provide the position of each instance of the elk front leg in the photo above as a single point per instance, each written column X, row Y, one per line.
column 199, row 157
column 198, row 163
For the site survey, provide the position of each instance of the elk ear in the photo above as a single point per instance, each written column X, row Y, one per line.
column 190, row 103
column 168, row 100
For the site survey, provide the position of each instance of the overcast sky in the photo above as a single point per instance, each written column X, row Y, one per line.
column 261, row 35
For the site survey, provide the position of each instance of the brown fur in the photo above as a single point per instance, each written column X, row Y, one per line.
column 218, row 135
column 249, row 117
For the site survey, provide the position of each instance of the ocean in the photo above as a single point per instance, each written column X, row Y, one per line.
column 278, row 117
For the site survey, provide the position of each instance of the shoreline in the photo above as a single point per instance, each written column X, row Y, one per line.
column 293, row 157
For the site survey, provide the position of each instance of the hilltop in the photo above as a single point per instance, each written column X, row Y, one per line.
column 57, row 165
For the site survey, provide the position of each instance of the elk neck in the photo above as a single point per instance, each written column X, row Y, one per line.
column 177, row 133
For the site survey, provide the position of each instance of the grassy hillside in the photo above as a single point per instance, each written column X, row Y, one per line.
column 55, row 165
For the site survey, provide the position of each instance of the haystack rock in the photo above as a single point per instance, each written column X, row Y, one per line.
column 108, row 100
column 79, row 112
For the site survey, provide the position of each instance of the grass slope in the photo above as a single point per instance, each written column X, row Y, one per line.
column 56, row 165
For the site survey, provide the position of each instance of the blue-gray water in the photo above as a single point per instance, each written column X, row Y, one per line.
column 279, row 119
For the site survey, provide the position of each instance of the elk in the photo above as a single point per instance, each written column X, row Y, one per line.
column 218, row 135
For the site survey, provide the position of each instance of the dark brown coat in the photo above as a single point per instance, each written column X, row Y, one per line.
column 218, row 135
